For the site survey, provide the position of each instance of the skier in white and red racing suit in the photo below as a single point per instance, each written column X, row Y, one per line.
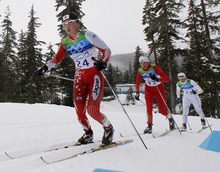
column 81, row 45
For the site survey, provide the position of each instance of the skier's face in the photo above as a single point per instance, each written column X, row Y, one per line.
column 144, row 64
column 182, row 78
column 71, row 27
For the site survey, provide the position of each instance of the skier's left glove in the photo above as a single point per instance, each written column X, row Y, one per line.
column 100, row 65
column 178, row 100
column 41, row 70
column 153, row 77
column 194, row 92
column 137, row 96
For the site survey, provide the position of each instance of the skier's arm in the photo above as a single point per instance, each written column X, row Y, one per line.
column 57, row 58
column 99, row 44
column 178, row 91
column 197, row 88
column 138, row 81
column 53, row 62
column 163, row 76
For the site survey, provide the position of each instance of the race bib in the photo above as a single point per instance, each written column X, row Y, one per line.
column 84, row 60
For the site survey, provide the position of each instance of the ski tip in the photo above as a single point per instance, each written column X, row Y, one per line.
column 121, row 135
column 104, row 145
column 8, row 155
column 44, row 160
column 203, row 128
column 79, row 143
column 121, row 142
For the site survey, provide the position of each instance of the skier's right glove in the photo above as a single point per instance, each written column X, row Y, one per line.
column 137, row 96
column 100, row 65
column 153, row 77
column 178, row 100
column 41, row 70
column 194, row 92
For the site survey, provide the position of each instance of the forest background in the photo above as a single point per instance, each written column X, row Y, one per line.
column 176, row 43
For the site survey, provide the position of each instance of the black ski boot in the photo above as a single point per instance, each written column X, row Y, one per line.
column 148, row 130
column 108, row 135
column 172, row 124
column 86, row 138
column 203, row 123
column 184, row 128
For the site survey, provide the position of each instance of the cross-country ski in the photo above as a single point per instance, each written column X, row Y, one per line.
column 203, row 128
column 67, row 155
column 24, row 153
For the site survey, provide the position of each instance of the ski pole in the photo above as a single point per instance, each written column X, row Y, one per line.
column 204, row 114
column 142, row 102
column 189, row 126
column 187, row 120
column 168, row 110
column 124, row 110
column 61, row 77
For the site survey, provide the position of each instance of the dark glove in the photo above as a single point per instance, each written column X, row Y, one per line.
column 194, row 92
column 100, row 65
column 41, row 70
column 137, row 96
column 178, row 100
column 153, row 77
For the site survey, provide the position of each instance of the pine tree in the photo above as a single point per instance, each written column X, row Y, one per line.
column 53, row 89
column 33, row 86
column 118, row 75
column 206, row 21
column 8, row 60
column 126, row 77
column 21, row 67
column 110, row 75
column 211, row 25
column 136, row 65
column 150, row 29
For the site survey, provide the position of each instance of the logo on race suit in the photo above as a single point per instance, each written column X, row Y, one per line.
column 96, row 87
column 77, row 47
column 186, row 87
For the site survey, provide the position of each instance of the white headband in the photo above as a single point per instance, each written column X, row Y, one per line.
column 144, row 58
column 181, row 75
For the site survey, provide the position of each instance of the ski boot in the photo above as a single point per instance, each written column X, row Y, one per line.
column 203, row 123
column 184, row 128
column 171, row 123
column 86, row 138
column 108, row 135
column 148, row 130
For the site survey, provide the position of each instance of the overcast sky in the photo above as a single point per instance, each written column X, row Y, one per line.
column 117, row 22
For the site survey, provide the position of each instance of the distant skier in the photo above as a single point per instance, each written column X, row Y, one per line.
column 81, row 45
column 190, row 96
column 154, row 78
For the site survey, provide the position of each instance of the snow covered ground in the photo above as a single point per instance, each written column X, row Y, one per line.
column 32, row 128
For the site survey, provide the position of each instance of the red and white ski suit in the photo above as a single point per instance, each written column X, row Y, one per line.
column 153, row 89
column 88, row 81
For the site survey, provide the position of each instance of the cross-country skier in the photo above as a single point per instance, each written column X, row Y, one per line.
column 82, row 45
column 154, row 78
column 190, row 91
